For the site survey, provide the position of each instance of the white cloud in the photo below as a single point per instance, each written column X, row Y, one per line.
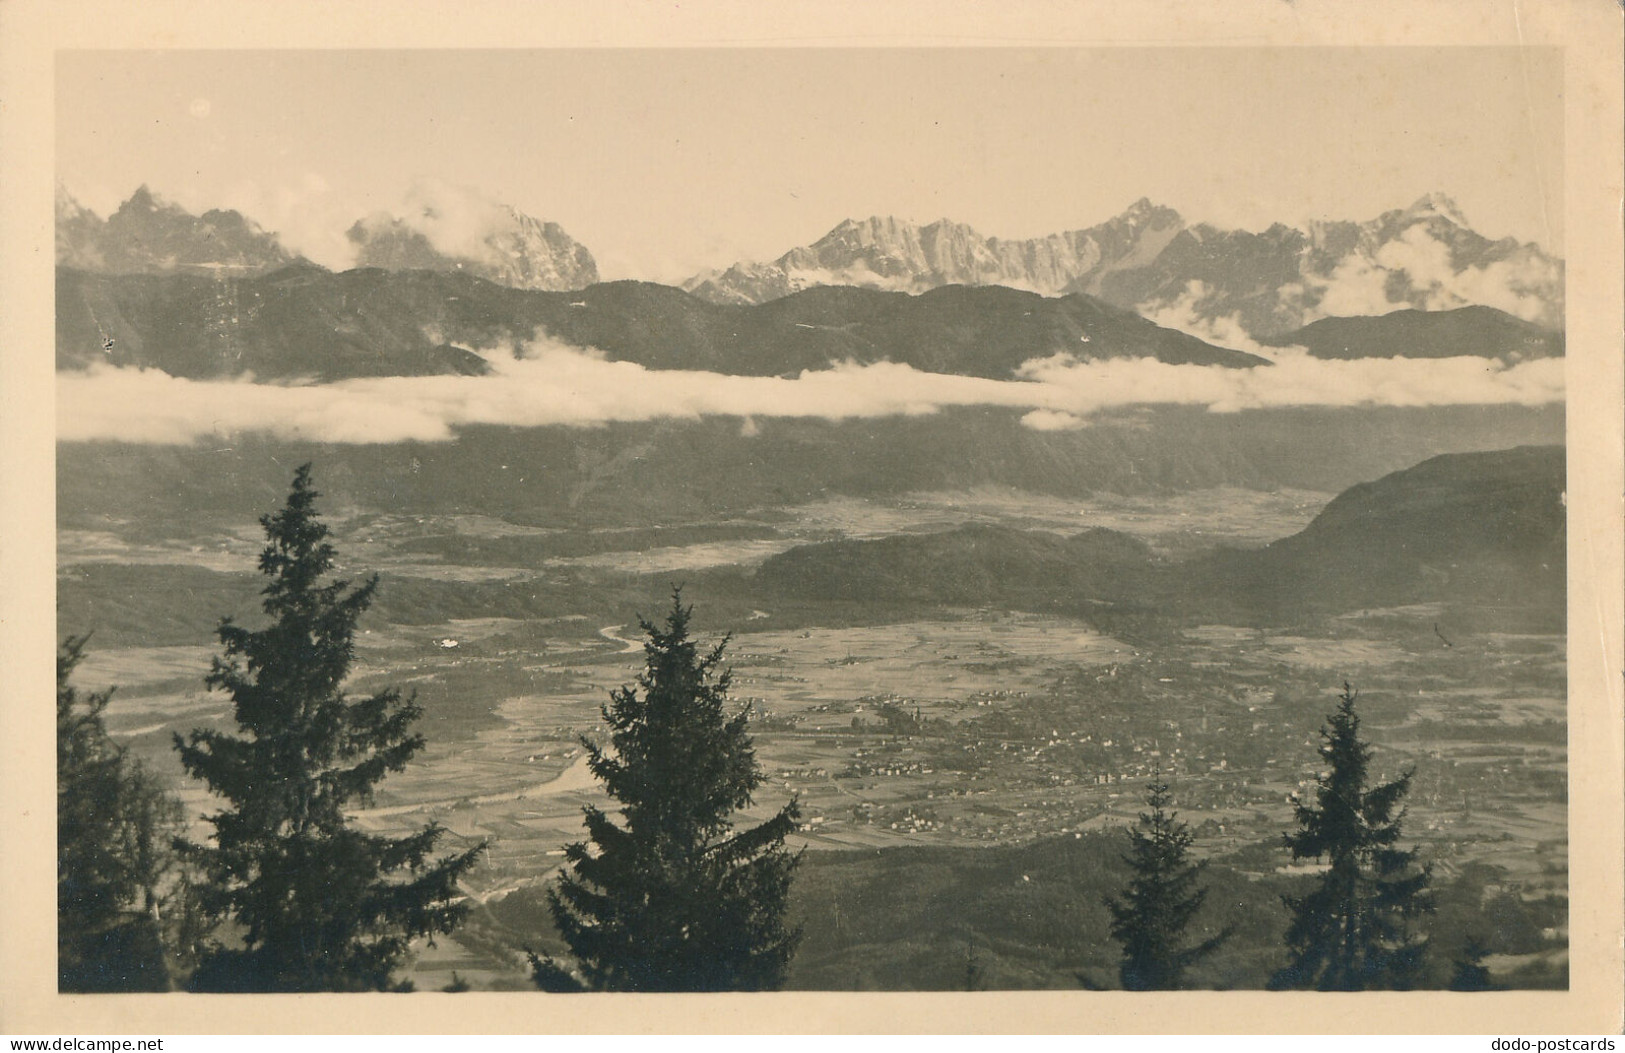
column 312, row 220
column 1523, row 284
column 1358, row 286
column 458, row 221
column 556, row 385
column 1053, row 420
column 307, row 217
column 1186, row 314
column 1297, row 379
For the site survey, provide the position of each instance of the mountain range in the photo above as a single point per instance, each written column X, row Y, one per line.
column 302, row 321
column 1148, row 259
column 149, row 235
column 306, row 322
column 513, row 249
column 885, row 252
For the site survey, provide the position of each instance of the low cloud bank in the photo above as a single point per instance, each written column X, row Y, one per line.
column 556, row 385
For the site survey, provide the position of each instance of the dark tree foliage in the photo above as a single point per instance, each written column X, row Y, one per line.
column 320, row 906
column 553, row 976
column 674, row 898
column 114, row 867
column 1150, row 918
column 1468, row 972
column 1353, row 932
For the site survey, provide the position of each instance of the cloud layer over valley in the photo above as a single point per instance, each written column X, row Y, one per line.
column 550, row 384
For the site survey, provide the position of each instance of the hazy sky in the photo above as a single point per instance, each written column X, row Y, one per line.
column 665, row 161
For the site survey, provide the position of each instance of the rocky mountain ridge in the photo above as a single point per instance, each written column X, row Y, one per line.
column 517, row 250
column 1150, row 260
column 150, row 235
column 886, row 252
column 1226, row 286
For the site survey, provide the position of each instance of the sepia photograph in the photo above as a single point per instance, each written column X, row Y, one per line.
column 1063, row 516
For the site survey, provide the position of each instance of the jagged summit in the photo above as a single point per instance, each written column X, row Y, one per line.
column 440, row 228
column 1439, row 204
column 889, row 253
column 1147, row 211
column 78, row 232
column 67, row 204
column 444, row 228
column 144, row 200
column 1203, row 278
column 148, row 234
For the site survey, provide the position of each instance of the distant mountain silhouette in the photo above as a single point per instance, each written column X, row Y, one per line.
column 1478, row 528
column 298, row 322
column 971, row 565
column 1485, row 528
column 1480, row 332
column 303, row 321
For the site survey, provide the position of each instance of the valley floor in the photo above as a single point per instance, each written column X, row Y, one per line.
column 964, row 773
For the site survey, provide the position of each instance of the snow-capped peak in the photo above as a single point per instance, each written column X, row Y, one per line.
column 1439, row 204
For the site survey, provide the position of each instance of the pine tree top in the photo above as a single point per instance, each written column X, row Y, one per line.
column 674, row 897
column 1351, row 930
column 323, row 905
column 1162, row 897
column 678, row 760
column 1345, row 818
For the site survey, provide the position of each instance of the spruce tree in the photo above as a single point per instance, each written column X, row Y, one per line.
column 320, row 905
column 1352, row 931
column 1162, row 897
column 673, row 898
column 115, row 871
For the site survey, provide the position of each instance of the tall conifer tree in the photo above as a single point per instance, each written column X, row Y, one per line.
column 1352, row 932
column 1150, row 919
column 114, row 865
column 321, row 906
column 674, row 898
